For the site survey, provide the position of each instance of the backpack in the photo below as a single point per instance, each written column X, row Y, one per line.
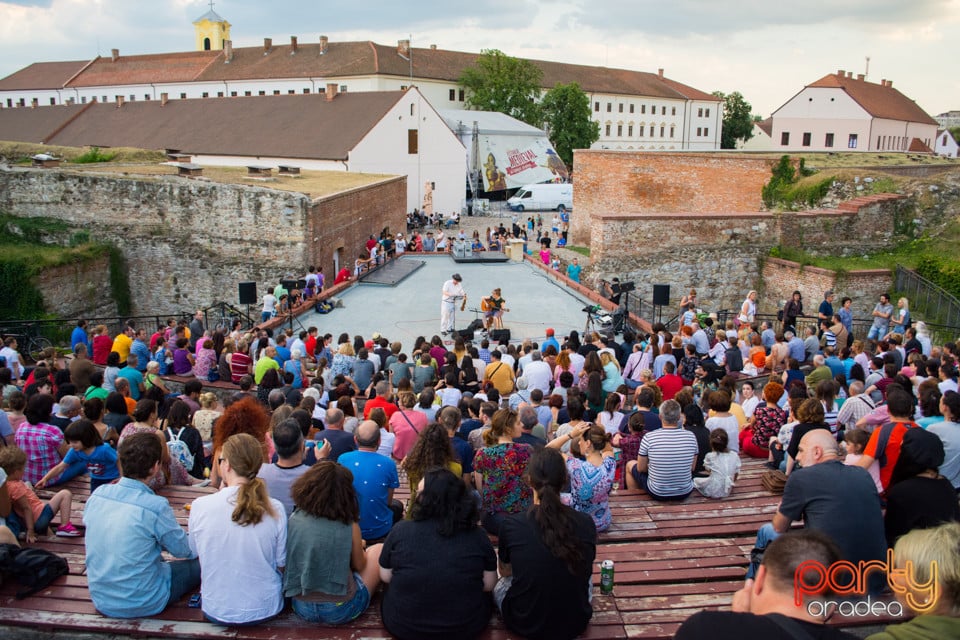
column 32, row 567
column 323, row 307
column 179, row 449
column 884, row 437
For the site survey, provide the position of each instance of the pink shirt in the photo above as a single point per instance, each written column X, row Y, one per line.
column 406, row 434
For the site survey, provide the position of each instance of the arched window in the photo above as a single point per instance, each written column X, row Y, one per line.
column 206, row 44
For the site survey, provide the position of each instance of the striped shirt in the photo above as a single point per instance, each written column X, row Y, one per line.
column 671, row 453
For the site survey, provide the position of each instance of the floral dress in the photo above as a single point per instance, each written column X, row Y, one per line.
column 766, row 424
column 502, row 467
column 590, row 489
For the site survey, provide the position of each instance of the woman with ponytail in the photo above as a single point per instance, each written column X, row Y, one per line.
column 546, row 557
column 591, row 478
column 498, row 471
column 240, row 534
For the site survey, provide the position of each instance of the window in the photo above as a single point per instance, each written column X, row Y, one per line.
column 290, row 92
column 83, row 100
column 700, row 112
column 651, row 131
column 643, row 108
column 630, row 132
column 662, row 130
column 607, row 131
column 452, row 95
column 183, row 96
column 828, row 140
column 706, row 113
column 276, row 92
column 343, row 88
column 413, row 141
column 806, row 139
column 619, row 130
column 233, row 94
column 53, row 101
column 411, row 108
column 460, row 95
column 247, row 93
column 23, row 101
column 261, row 93
column 784, row 138
column 631, row 108
column 306, row 90
column 663, row 110
column 205, row 95
column 706, row 131
column 699, row 131
column 132, row 97
column 609, row 107
column 596, row 106
column 673, row 111
column 403, row 87
column 852, row 141
column 146, row 96
column 671, row 132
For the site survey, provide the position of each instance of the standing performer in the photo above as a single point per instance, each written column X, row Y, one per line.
column 452, row 291
column 492, row 307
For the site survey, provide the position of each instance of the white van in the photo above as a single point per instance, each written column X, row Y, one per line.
column 537, row 197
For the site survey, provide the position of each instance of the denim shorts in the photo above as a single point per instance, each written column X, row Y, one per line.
column 334, row 613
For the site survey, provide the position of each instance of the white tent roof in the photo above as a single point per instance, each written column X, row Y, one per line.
column 489, row 122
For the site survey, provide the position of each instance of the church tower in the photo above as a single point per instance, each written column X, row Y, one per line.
column 212, row 31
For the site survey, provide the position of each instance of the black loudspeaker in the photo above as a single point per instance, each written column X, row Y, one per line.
column 496, row 335
column 248, row 292
column 466, row 334
column 289, row 285
column 661, row 294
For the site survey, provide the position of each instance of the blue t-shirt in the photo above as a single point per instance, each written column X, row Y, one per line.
column 293, row 366
column 573, row 272
column 340, row 442
column 283, row 354
column 79, row 335
column 101, row 463
column 135, row 378
column 373, row 477
column 464, row 452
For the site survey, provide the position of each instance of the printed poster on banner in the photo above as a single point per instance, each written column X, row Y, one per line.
column 511, row 162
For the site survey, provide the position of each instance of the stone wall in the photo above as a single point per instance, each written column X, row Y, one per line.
column 651, row 183
column 188, row 243
column 78, row 290
column 782, row 277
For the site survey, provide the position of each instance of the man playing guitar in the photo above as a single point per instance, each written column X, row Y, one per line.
column 493, row 309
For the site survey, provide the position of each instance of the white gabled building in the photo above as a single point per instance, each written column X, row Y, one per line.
column 946, row 145
column 841, row 113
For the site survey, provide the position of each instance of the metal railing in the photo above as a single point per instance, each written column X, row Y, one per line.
column 931, row 300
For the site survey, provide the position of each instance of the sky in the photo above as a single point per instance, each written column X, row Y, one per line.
column 765, row 50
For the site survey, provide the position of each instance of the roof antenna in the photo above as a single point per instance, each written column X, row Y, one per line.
column 867, row 72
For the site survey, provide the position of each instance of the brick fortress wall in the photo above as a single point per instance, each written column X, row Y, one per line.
column 696, row 220
column 782, row 277
column 188, row 243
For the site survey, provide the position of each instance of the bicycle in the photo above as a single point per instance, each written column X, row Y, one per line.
column 30, row 342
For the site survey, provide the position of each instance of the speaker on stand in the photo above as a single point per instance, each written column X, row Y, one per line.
column 661, row 299
column 496, row 335
column 247, row 293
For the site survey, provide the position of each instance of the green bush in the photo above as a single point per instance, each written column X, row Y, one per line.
column 94, row 155
column 943, row 274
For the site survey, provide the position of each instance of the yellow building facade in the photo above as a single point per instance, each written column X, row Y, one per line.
column 211, row 31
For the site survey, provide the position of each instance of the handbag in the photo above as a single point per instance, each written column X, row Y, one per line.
column 774, row 481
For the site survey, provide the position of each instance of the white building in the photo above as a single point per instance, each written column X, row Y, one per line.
column 948, row 119
column 392, row 132
column 841, row 113
column 946, row 144
column 635, row 109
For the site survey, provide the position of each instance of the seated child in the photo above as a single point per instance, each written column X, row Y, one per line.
column 723, row 465
column 35, row 514
column 629, row 445
column 87, row 446
column 855, row 441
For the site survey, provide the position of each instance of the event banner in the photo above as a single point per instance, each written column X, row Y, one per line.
column 508, row 162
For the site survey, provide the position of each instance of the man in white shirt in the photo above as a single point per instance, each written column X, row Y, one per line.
column 9, row 352
column 452, row 293
column 538, row 374
column 269, row 307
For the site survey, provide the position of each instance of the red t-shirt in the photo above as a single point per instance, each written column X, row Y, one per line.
column 388, row 407
column 892, row 450
column 670, row 384
column 311, row 344
column 342, row 276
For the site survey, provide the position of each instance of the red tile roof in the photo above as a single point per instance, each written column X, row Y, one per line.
column 345, row 59
column 878, row 100
column 146, row 69
column 287, row 126
column 919, row 146
column 766, row 126
column 42, row 75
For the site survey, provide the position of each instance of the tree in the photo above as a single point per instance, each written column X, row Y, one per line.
column 566, row 116
column 737, row 121
column 498, row 82
column 955, row 132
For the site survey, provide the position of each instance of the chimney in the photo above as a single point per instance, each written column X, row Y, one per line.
column 660, row 73
column 323, row 44
column 433, row 47
column 860, row 77
column 331, row 91
column 34, row 103
column 114, row 53
column 228, row 51
column 841, row 73
column 849, row 74
column 119, row 101
column 890, row 84
column 293, row 44
column 164, row 98
column 403, row 48
column 267, row 44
